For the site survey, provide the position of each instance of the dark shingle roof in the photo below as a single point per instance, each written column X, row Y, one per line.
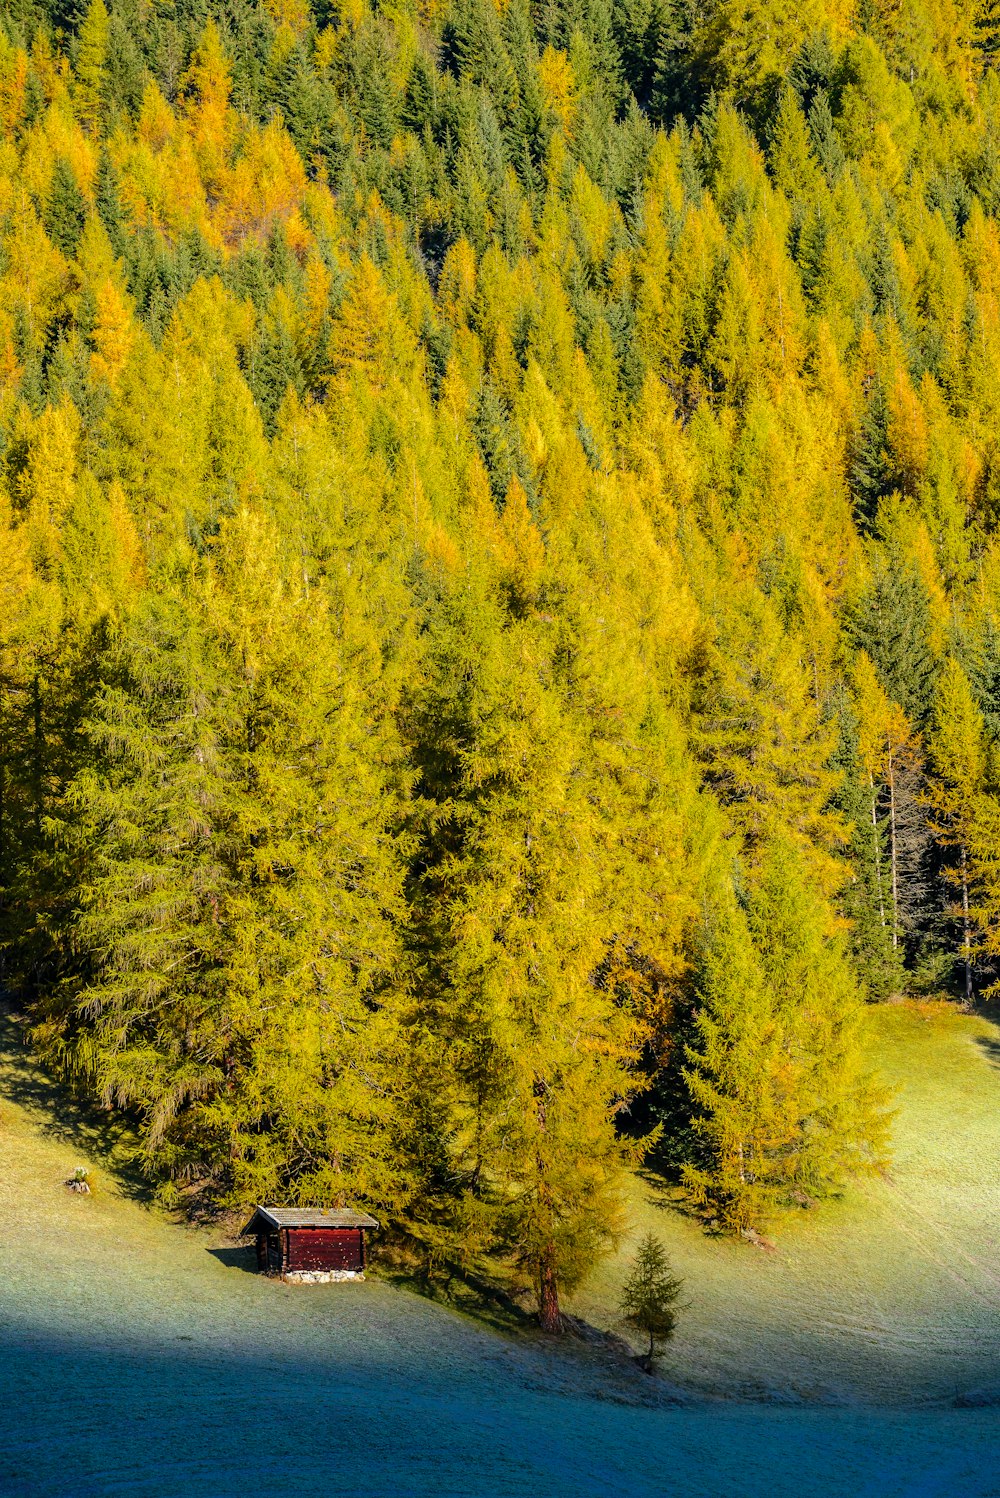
column 307, row 1217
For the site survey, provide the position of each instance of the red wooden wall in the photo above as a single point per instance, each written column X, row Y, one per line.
column 324, row 1248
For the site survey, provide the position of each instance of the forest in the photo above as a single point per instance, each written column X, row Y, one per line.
column 500, row 626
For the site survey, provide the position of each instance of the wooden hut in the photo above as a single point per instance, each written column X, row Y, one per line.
column 310, row 1245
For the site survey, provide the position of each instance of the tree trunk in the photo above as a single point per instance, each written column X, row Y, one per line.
column 548, row 1286
column 3, row 820
column 878, row 854
column 894, row 853
column 37, row 773
column 549, row 1316
column 966, row 929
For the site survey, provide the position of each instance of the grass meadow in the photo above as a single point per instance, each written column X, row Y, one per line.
column 860, row 1356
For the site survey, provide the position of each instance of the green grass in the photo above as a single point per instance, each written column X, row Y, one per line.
column 891, row 1293
column 140, row 1358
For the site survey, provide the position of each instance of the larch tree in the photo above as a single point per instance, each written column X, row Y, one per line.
column 518, row 884
column 842, row 1106
column 91, row 57
column 479, row 493
column 763, row 736
column 786, row 1106
column 741, row 1077
column 238, row 891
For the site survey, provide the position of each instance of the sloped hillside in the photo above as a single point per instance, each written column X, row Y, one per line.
column 500, row 585
column 891, row 1295
column 140, row 1358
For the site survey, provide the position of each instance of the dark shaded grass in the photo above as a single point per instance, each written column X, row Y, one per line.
column 90, row 1421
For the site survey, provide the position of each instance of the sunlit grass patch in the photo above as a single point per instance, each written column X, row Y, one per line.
column 891, row 1292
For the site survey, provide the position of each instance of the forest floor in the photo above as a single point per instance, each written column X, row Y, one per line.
column 860, row 1356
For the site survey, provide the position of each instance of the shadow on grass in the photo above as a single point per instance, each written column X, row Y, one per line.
column 990, row 1047
column 482, row 1299
column 243, row 1257
column 185, row 1414
column 665, row 1192
column 667, row 1196
column 490, row 1305
column 58, row 1113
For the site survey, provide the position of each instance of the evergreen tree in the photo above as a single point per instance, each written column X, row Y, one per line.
column 650, row 1296
column 980, row 656
column 986, row 30
column 889, row 755
column 822, row 128
column 108, row 202
column 66, row 208
column 275, row 369
column 796, row 171
column 872, row 475
column 892, row 625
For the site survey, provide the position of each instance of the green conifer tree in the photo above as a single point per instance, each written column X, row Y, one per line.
column 986, row 31
column 650, row 1296
column 66, row 208
column 892, row 624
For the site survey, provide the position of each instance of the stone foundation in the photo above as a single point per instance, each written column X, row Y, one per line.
column 320, row 1276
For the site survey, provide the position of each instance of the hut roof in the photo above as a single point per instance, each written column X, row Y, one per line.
column 268, row 1218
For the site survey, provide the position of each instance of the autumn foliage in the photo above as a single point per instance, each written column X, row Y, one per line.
column 500, row 615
